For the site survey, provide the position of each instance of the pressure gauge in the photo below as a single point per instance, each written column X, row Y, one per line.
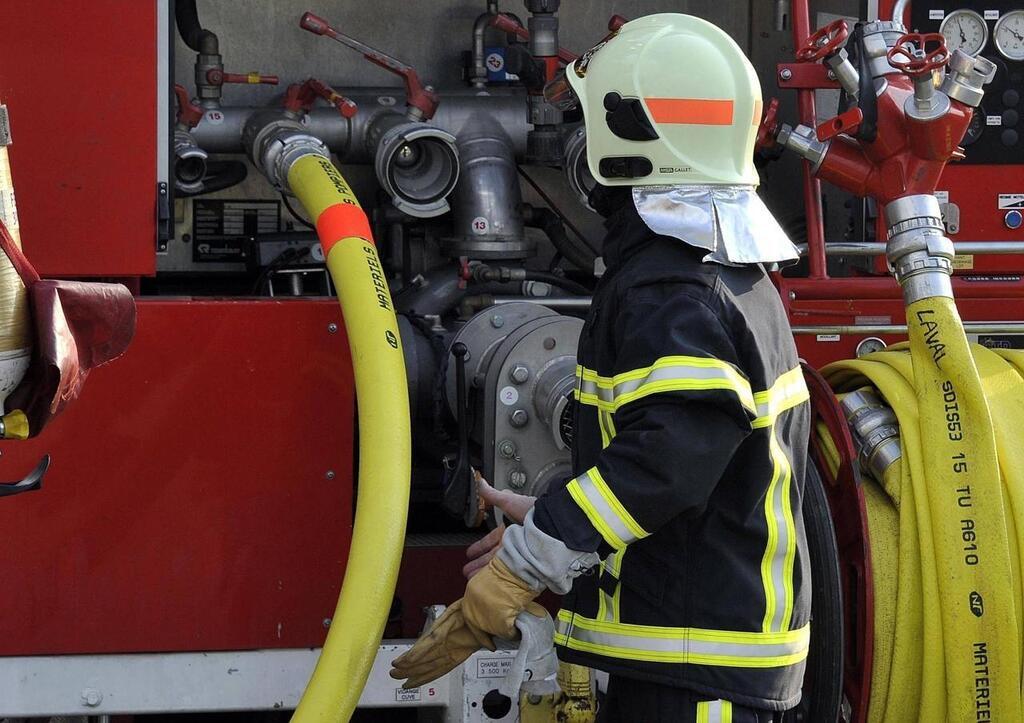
column 964, row 30
column 1009, row 35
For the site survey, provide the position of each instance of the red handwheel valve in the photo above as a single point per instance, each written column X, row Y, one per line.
column 769, row 127
column 824, row 42
column 918, row 53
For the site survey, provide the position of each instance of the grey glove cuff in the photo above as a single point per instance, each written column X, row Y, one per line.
column 541, row 560
column 535, row 668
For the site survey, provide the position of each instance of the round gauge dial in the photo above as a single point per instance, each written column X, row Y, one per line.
column 1009, row 35
column 964, row 30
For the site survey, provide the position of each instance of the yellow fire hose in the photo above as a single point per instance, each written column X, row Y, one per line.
column 945, row 521
column 384, row 442
column 15, row 339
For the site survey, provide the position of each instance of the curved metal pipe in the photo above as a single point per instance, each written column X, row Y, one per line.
column 222, row 133
column 487, row 199
column 899, row 10
column 483, row 21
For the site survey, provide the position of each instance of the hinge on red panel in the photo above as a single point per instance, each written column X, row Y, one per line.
column 163, row 216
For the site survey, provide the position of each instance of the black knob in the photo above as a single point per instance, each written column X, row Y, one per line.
column 1010, row 118
column 1009, row 137
column 1011, row 98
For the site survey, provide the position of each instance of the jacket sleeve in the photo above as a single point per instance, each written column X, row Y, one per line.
column 678, row 407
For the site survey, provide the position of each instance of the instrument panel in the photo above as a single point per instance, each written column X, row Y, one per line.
column 995, row 30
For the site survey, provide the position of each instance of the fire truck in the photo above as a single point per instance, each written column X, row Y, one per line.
column 329, row 260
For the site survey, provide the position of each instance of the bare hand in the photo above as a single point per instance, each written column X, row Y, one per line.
column 512, row 505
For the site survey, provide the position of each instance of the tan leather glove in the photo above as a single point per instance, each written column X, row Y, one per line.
column 494, row 597
column 446, row 646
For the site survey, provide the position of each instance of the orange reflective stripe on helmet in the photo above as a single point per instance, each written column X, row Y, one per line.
column 690, row 111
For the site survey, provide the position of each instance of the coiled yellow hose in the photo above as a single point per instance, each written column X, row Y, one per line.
column 944, row 525
column 384, row 442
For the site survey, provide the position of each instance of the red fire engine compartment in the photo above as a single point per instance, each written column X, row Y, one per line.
column 200, row 493
column 81, row 89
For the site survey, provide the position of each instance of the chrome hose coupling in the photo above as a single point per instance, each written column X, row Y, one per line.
column 919, row 253
column 275, row 142
column 875, row 429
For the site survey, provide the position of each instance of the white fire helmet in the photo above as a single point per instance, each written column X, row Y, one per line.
column 669, row 99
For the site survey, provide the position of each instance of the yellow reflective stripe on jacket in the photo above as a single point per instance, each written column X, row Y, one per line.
column 611, row 518
column 788, row 391
column 603, row 509
column 714, row 711
column 693, row 646
column 667, row 374
column 779, row 557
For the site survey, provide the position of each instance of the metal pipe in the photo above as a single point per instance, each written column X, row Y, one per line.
column 899, row 10
column 975, row 248
column 222, row 132
column 980, row 327
column 479, row 76
column 562, row 302
column 812, row 186
column 487, row 199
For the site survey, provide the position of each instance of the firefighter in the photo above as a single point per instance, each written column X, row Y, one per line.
column 678, row 546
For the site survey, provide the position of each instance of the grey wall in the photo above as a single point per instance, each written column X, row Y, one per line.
column 431, row 34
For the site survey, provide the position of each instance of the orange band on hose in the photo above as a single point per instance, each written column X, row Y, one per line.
column 342, row 220
column 691, row 111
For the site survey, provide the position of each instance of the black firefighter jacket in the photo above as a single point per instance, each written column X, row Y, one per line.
column 690, row 444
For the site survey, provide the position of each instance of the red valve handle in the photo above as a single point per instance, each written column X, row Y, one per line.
column 824, row 42
column 933, row 48
column 219, row 77
column 505, row 23
column 847, row 123
column 315, row 24
column 769, row 127
column 301, row 98
column 189, row 114
column 417, row 96
column 616, row 22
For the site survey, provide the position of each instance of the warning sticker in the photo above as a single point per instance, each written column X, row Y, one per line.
column 493, row 667
column 827, row 337
column 224, row 230
column 1001, row 341
column 993, row 120
column 991, row 14
column 407, row 696
column 963, row 262
column 997, row 278
column 936, row 14
column 8, row 209
column 1011, row 200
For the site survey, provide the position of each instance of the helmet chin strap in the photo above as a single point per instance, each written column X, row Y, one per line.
column 607, row 200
